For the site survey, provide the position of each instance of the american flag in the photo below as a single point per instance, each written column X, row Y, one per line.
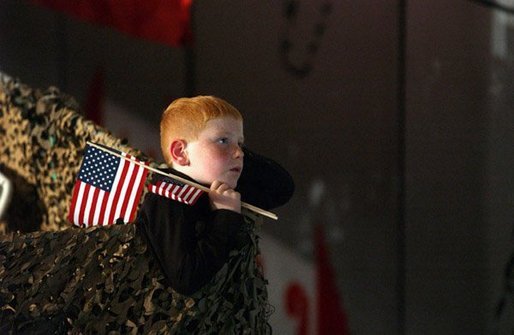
column 175, row 190
column 108, row 188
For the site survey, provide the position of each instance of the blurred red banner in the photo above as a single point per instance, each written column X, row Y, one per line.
column 162, row 21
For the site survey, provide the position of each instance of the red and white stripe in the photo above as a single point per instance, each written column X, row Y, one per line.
column 182, row 193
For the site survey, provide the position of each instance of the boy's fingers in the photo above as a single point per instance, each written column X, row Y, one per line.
column 219, row 186
column 222, row 188
column 215, row 185
column 223, row 196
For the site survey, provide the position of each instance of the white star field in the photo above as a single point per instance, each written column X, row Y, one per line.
column 99, row 169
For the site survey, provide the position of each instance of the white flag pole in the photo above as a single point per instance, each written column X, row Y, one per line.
column 185, row 181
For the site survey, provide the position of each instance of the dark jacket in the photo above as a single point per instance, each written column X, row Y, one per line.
column 191, row 242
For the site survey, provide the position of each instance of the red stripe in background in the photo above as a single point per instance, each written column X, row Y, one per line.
column 163, row 21
column 331, row 315
column 95, row 97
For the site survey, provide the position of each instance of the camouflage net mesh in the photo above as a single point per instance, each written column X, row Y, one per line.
column 101, row 280
column 43, row 137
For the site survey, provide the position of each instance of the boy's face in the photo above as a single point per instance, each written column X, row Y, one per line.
column 217, row 154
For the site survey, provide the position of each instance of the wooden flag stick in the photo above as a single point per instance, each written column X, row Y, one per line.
column 185, row 181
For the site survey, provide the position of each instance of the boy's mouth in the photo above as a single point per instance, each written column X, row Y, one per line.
column 236, row 169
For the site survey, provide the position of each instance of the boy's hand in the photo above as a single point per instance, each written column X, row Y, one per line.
column 222, row 196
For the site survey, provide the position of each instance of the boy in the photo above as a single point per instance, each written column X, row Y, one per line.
column 207, row 250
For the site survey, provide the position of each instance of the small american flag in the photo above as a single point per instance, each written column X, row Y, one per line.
column 175, row 190
column 108, row 188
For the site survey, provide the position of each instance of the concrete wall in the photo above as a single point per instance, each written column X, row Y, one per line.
column 447, row 131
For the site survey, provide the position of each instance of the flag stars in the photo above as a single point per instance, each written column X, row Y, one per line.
column 99, row 168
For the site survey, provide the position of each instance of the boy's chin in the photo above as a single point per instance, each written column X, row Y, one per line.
column 231, row 183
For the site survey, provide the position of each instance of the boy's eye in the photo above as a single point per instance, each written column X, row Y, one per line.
column 223, row 140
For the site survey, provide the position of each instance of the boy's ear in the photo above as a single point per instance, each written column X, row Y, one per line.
column 178, row 152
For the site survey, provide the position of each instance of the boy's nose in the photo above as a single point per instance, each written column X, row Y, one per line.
column 238, row 153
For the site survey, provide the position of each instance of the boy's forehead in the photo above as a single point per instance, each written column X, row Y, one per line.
column 228, row 124
column 223, row 127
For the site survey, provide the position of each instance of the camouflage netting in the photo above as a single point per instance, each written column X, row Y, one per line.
column 43, row 137
column 98, row 280
column 56, row 278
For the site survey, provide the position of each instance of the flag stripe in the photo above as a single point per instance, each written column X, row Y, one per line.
column 135, row 192
column 183, row 193
column 88, row 201
column 71, row 213
column 102, row 220
column 139, row 192
column 132, row 194
column 115, row 192
column 99, row 200
column 130, row 197
column 187, row 196
column 168, row 190
column 83, row 202
column 197, row 194
column 118, row 188
column 130, row 176
column 94, row 200
column 80, row 196
column 180, row 192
